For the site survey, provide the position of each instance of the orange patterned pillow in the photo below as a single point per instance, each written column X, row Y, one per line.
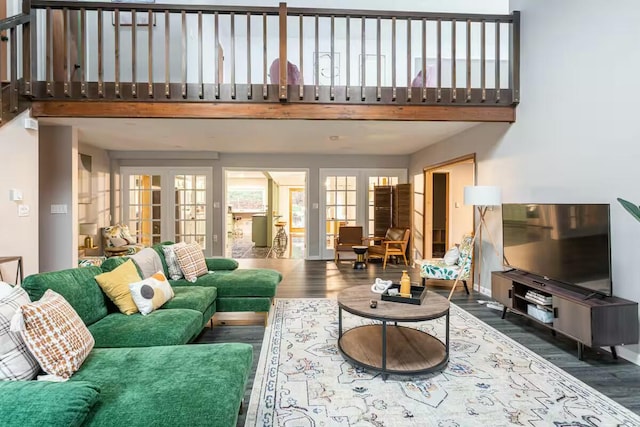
column 55, row 334
column 191, row 261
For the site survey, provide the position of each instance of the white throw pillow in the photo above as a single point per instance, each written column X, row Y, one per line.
column 172, row 261
column 151, row 293
column 148, row 261
column 452, row 255
column 5, row 289
column 16, row 361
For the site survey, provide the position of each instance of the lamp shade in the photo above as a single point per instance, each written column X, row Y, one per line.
column 482, row 195
column 88, row 228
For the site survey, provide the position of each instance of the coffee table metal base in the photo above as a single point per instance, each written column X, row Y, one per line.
column 392, row 349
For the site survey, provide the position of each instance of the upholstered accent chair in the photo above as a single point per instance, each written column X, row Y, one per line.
column 348, row 237
column 117, row 240
column 394, row 243
column 442, row 269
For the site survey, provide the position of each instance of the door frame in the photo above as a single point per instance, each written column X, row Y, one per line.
column 362, row 188
column 267, row 169
column 167, row 211
column 427, row 240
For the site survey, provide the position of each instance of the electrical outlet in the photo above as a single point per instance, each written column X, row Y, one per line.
column 215, row 238
column 58, row 209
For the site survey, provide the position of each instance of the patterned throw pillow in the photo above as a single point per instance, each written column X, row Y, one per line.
column 172, row 261
column 151, row 293
column 16, row 362
column 115, row 284
column 191, row 261
column 55, row 334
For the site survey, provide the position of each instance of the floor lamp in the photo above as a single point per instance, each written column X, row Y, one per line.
column 482, row 197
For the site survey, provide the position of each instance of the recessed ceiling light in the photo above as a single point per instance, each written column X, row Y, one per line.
column 334, row 137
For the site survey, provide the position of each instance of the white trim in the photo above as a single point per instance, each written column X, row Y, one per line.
column 168, row 173
column 306, row 171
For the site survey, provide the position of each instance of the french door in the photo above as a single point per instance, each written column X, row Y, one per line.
column 346, row 198
column 161, row 204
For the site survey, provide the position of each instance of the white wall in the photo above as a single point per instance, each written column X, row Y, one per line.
column 98, row 211
column 460, row 215
column 567, row 144
column 58, row 154
column 271, row 162
column 19, row 149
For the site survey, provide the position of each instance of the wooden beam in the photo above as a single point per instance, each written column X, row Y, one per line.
column 271, row 111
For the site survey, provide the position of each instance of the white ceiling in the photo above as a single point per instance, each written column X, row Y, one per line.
column 261, row 136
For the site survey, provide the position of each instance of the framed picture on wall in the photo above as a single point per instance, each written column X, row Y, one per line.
column 142, row 18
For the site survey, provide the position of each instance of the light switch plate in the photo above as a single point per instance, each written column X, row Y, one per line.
column 58, row 209
column 24, row 210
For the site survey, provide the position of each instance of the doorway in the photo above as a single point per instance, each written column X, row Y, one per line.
column 261, row 203
column 446, row 217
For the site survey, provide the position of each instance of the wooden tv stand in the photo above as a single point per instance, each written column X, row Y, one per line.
column 591, row 320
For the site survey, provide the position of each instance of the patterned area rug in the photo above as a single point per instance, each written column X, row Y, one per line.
column 491, row 380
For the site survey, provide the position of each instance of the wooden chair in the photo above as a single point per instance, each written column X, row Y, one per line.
column 394, row 243
column 348, row 237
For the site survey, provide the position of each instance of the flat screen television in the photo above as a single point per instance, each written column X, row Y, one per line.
column 568, row 243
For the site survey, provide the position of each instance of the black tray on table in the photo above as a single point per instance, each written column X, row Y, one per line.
column 418, row 294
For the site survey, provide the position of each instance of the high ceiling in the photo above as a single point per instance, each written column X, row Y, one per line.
column 261, row 136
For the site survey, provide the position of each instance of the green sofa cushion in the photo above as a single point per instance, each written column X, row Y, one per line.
column 195, row 298
column 216, row 264
column 161, row 327
column 40, row 403
column 76, row 285
column 257, row 282
column 194, row 385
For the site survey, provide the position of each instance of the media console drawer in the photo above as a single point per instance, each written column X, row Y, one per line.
column 590, row 320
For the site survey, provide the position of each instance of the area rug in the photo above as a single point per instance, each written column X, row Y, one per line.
column 491, row 380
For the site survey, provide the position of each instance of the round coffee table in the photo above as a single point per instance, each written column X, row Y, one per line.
column 360, row 263
column 392, row 349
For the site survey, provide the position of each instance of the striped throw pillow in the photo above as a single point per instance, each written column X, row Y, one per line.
column 191, row 261
column 16, row 362
column 55, row 334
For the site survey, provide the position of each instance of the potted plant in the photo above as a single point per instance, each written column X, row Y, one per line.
column 631, row 208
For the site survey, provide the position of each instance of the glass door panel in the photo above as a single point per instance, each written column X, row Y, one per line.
column 296, row 210
column 145, row 201
column 341, row 205
column 190, row 209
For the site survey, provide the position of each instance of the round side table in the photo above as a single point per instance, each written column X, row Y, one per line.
column 360, row 263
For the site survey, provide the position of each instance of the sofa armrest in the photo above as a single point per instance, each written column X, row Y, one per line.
column 214, row 264
column 40, row 403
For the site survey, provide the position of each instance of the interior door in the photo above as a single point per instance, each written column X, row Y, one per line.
column 161, row 204
column 296, row 210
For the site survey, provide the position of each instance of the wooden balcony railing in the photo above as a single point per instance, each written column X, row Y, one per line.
column 238, row 55
column 14, row 32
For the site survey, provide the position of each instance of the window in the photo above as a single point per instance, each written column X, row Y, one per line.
column 247, row 199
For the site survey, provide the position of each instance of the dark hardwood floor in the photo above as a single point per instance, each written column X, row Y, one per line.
column 617, row 379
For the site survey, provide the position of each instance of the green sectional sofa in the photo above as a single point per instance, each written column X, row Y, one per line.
column 140, row 373
column 190, row 385
column 178, row 322
column 238, row 289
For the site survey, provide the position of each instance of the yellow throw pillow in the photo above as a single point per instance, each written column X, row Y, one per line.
column 116, row 285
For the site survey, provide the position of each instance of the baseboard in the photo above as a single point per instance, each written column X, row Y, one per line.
column 626, row 354
column 314, row 258
column 483, row 290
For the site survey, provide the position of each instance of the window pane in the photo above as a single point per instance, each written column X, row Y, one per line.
column 331, row 183
column 351, row 212
column 351, row 197
column 341, row 212
column 351, row 182
column 341, row 199
column 331, row 198
column 341, row 183
column 331, row 212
